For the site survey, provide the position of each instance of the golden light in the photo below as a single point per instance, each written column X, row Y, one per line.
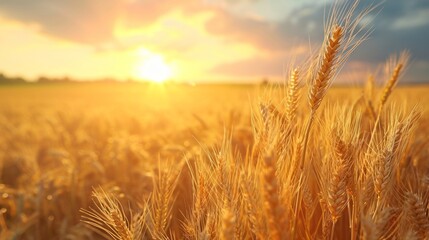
column 152, row 67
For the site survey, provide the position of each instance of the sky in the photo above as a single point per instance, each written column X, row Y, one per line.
column 194, row 40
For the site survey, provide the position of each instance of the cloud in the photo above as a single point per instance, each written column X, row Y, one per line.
column 143, row 12
column 87, row 21
column 77, row 20
column 93, row 22
column 399, row 25
column 269, row 36
column 418, row 72
column 252, row 67
column 397, row 22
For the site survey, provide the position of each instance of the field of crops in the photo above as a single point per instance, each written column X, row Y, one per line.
column 171, row 161
column 303, row 159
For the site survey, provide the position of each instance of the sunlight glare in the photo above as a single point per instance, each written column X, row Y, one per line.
column 152, row 67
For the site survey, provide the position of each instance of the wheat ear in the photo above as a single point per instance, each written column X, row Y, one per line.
column 337, row 194
column 107, row 216
column 292, row 95
column 387, row 223
column 390, row 84
column 418, row 214
column 121, row 226
column 228, row 223
column 321, row 83
column 399, row 63
column 272, row 207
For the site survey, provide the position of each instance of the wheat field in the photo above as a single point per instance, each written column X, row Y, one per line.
column 205, row 167
column 295, row 160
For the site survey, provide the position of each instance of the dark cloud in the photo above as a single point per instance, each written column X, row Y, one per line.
column 385, row 42
column 306, row 24
column 421, row 4
column 417, row 73
column 387, row 38
column 269, row 36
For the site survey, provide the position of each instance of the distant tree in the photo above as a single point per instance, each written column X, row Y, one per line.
column 10, row 80
column 2, row 78
column 43, row 79
column 265, row 81
column 17, row 80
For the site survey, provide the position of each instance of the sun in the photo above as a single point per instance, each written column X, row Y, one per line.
column 152, row 67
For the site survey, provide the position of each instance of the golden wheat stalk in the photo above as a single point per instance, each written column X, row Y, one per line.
column 325, row 72
column 248, row 204
column 387, row 223
column 320, row 84
column 384, row 178
column 274, row 211
column 418, row 213
column 121, row 226
column 108, row 216
column 228, row 223
column 399, row 64
column 370, row 92
column 346, row 33
column 337, row 194
column 292, row 96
